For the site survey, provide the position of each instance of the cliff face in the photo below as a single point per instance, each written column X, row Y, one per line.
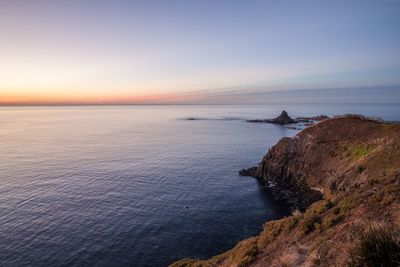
column 329, row 158
column 283, row 169
column 344, row 174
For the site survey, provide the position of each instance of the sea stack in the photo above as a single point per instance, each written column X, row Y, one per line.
column 282, row 119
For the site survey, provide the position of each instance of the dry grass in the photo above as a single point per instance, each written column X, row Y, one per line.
column 312, row 219
column 271, row 230
column 244, row 254
column 288, row 259
column 386, row 195
column 376, row 246
column 188, row 263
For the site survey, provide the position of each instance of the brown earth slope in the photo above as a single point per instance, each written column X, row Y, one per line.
column 344, row 173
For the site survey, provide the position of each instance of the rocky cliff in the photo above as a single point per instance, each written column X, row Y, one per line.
column 343, row 175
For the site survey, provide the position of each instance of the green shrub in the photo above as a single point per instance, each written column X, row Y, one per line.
column 331, row 220
column 348, row 203
column 271, row 231
column 336, row 210
column 319, row 207
column 291, row 222
column 324, row 206
column 309, row 224
column 376, row 246
column 246, row 255
column 360, row 151
column 312, row 217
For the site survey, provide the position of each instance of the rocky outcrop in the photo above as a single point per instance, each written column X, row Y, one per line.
column 353, row 164
column 284, row 180
column 279, row 169
column 249, row 172
column 282, row 119
column 285, row 119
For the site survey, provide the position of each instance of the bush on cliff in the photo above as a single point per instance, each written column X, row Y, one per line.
column 309, row 224
column 377, row 246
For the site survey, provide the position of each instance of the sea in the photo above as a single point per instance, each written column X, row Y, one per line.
column 138, row 185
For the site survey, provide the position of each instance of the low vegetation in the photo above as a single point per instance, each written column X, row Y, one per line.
column 361, row 151
column 331, row 220
column 347, row 203
column 271, row 230
column 386, row 195
column 377, row 246
column 309, row 224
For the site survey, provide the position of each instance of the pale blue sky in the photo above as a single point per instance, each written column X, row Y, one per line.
column 103, row 50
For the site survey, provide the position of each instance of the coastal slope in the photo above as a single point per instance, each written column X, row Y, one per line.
column 341, row 176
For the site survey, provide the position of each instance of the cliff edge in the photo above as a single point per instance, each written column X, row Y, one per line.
column 341, row 176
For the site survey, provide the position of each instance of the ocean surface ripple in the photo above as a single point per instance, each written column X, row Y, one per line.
column 135, row 185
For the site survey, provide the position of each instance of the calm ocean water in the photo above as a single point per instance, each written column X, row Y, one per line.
column 136, row 185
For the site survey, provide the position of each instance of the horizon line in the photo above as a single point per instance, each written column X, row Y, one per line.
column 227, row 96
column 199, row 104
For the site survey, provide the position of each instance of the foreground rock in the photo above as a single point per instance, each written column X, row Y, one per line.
column 354, row 163
column 248, row 172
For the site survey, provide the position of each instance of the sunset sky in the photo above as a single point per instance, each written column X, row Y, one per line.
column 183, row 51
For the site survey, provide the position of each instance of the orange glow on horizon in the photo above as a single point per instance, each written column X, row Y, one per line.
column 64, row 99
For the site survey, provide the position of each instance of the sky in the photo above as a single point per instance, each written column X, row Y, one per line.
column 61, row 52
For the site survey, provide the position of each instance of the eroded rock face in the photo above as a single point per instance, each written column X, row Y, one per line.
column 318, row 158
column 280, row 170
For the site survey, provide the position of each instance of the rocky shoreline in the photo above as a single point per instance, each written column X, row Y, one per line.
column 342, row 174
column 280, row 183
